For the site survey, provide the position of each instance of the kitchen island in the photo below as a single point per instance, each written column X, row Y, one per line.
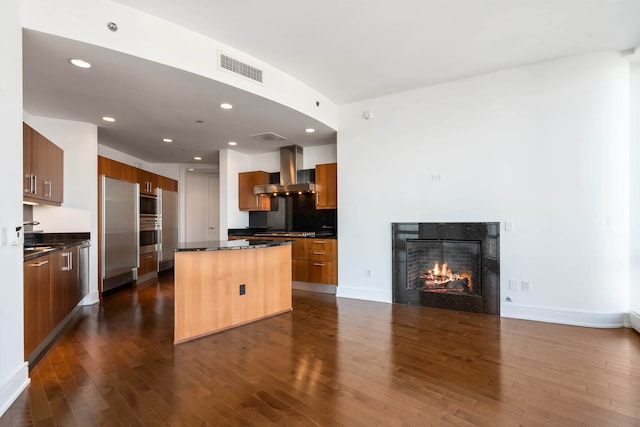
column 224, row 284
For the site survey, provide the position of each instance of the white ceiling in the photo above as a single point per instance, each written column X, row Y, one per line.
column 348, row 50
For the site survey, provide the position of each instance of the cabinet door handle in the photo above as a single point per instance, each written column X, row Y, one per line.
column 319, row 242
column 257, row 203
column 27, row 188
column 38, row 264
column 34, row 180
column 319, row 264
column 317, row 197
column 70, row 259
column 47, row 186
column 319, row 253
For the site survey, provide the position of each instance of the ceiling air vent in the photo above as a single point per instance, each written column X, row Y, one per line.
column 241, row 68
column 268, row 137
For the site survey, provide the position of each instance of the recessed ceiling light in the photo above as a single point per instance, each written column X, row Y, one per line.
column 233, row 143
column 191, row 169
column 226, row 106
column 80, row 63
column 108, row 119
column 167, row 140
column 197, row 158
column 309, row 130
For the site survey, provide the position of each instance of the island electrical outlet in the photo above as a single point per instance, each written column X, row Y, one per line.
column 243, row 289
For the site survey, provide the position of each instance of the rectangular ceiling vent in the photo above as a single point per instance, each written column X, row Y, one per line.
column 237, row 67
column 268, row 137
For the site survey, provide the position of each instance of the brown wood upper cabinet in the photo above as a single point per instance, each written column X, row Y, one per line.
column 327, row 186
column 43, row 168
column 148, row 182
column 247, row 201
column 118, row 170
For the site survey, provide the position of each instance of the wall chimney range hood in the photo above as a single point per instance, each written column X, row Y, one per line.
column 290, row 164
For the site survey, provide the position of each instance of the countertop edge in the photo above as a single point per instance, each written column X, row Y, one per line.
column 256, row 244
column 55, row 247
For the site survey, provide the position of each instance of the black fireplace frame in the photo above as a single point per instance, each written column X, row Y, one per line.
column 487, row 233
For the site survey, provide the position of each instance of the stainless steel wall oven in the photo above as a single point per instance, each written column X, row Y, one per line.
column 150, row 226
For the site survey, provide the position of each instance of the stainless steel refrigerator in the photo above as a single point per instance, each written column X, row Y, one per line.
column 169, row 233
column 120, row 231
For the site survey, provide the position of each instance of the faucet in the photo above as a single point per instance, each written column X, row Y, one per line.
column 30, row 223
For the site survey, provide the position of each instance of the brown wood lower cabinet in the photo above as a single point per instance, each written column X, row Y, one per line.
column 51, row 292
column 37, row 302
column 148, row 263
column 65, row 292
column 312, row 260
column 321, row 272
column 323, row 261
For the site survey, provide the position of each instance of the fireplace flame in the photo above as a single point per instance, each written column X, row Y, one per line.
column 440, row 277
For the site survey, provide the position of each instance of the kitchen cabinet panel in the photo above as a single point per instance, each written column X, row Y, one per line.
column 167, row 183
column 43, row 168
column 37, row 302
column 148, row 263
column 300, row 270
column 64, row 284
column 323, row 261
column 117, row 170
column 247, row 201
column 321, row 272
column 148, row 182
column 327, row 186
column 51, row 292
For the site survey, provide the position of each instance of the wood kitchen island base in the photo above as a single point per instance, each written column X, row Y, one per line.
column 209, row 282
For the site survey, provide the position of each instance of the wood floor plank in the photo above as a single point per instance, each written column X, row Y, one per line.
column 329, row 362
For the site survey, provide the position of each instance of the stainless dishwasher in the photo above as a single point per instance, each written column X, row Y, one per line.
column 83, row 269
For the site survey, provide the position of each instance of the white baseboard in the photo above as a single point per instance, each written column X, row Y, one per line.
column 11, row 389
column 634, row 320
column 90, row 299
column 363, row 294
column 565, row 317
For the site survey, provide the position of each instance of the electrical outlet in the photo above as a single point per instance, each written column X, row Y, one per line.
column 526, row 286
column 508, row 226
column 367, row 274
column 513, row 284
column 243, row 289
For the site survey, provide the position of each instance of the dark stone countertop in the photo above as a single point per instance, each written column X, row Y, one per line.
column 36, row 250
column 243, row 232
column 221, row 245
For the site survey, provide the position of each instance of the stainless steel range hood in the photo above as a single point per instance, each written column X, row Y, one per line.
column 290, row 164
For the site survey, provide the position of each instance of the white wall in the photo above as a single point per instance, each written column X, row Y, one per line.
column 13, row 369
column 543, row 146
column 79, row 210
column 634, row 160
column 149, row 37
column 231, row 164
column 312, row 156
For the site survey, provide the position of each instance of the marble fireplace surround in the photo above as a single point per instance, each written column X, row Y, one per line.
column 486, row 233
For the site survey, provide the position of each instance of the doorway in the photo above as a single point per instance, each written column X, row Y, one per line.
column 202, row 207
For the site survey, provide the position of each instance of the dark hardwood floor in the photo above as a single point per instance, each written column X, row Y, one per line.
column 329, row 362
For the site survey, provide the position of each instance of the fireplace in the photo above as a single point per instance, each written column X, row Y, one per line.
column 447, row 265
